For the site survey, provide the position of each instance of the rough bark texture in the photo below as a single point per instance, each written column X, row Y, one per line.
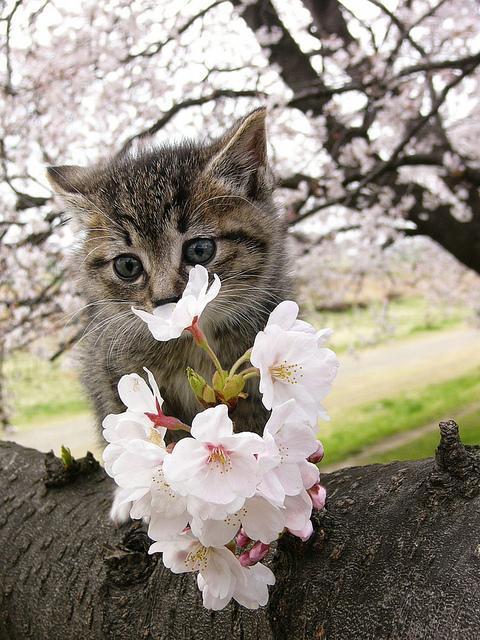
column 395, row 555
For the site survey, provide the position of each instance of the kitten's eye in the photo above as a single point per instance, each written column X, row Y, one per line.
column 127, row 266
column 199, row 251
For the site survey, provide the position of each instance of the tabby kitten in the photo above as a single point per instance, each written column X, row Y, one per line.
column 146, row 219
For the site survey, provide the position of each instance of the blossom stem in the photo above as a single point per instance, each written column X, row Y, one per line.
column 201, row 340
column 240, row 361
column 211, row 354
column 252, row 372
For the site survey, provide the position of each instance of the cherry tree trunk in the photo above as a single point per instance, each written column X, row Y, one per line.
column 396, row 554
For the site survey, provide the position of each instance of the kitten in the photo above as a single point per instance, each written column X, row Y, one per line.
column 146, row 219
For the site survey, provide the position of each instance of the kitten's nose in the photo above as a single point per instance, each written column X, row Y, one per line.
column 159, row 302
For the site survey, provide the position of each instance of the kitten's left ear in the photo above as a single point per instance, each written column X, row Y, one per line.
column 240, row 157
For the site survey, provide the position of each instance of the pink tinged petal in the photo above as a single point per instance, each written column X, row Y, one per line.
column 209, row 601
column 141, row 478
column 135, row 393
column 252, row 591
column 261, row 520
column 305, row 533
column 110, row 454
column 245, row 444
column 318, row 495
column 212, row 424
column 298, row 511
column 164, row 527
column 199, row 508
column 317, row 456
column 189, row 471
column 220, row 573
column 186, row 460
column 126, row 428
column 284, row 315
column 269, row 457
column 215, row 533
column 295, row 442
column 197, row 282
column 141, row 506
column 264, row 574
column 184, row 312
column 304, row 327
column 290, row 478
column 144, row 448
column 109, row 425
column 197, row 291
column 243, row 477
column 279, row 416
column 272, row 489
column 310, row 474
column 178, row 553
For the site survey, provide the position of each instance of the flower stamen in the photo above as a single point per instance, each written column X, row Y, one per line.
column 287, row 372
column 220, row 457
column 197, row 560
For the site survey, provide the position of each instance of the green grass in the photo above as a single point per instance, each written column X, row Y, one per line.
column 360, row 327
column 353, row 429
column 424, row 446
column 38, row 390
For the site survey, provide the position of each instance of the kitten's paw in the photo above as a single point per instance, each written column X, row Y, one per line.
column 120, row 510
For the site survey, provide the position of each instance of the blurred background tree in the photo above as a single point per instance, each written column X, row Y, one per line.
column 373, row 122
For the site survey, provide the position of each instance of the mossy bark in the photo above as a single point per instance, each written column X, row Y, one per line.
column 396, row 554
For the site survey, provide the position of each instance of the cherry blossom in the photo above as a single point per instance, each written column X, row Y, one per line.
column 289, row 441
column 218, row 567
column 220, row 576
column 215, row 464
column 292, row 362
column 251, row 589
column 170, row 320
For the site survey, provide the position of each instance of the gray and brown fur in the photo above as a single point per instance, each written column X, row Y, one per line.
column 149, row 204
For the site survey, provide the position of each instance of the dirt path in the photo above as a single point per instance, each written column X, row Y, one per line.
column 402, row 366
column 370, row 375
column 78, row 434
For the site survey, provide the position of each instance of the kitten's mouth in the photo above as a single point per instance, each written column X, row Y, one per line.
column 162, row 301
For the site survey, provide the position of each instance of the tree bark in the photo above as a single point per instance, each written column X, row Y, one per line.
column 395, row 555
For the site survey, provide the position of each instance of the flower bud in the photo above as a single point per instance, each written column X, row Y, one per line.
column 196, row 382
column 318, row 455
column 242, row 539
column 305, row 533
column 218, row 380
column 318, row 494
column 256, row 554
column 208, row 395
column 233, row 386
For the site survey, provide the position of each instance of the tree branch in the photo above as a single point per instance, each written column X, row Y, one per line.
column 398, row 535
column 156, row 47
column 185, row 104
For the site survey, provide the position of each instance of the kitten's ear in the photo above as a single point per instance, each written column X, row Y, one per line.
column 240, row 156
column 70, row 180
